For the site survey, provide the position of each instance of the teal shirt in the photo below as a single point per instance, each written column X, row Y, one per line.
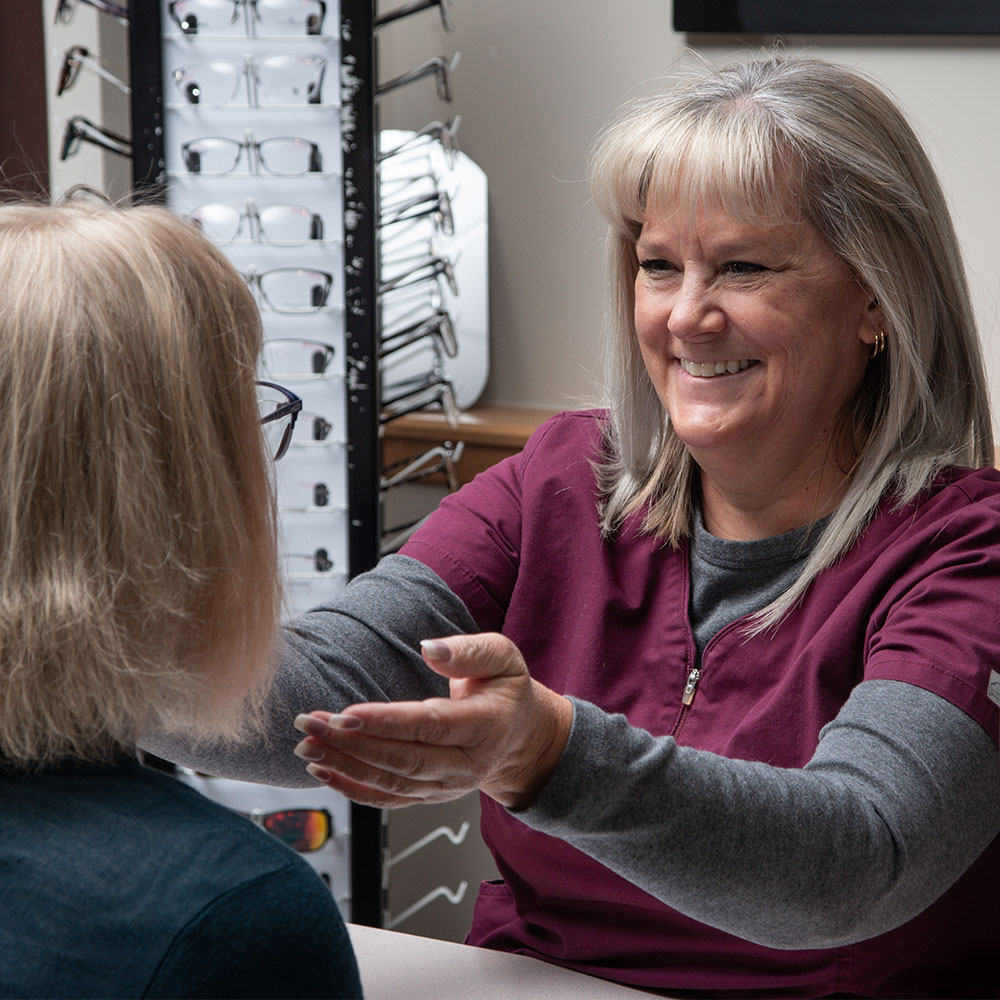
column 119, row 881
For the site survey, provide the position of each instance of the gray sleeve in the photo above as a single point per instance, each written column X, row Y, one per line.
column 896, row 803
column 361, row 646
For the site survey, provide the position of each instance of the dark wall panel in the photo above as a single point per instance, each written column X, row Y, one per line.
column 839, row 16
column 24, row 160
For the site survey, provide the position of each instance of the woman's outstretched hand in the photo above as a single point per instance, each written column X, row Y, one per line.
column 500, row 732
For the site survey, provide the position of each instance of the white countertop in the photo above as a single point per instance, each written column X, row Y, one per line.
column 398, row 966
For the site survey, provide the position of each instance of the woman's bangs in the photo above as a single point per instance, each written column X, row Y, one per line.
column 729, row 165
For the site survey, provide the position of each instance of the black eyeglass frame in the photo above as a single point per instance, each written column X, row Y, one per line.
column 414, row 7
column 291, row 408
column 439, row 326
column 80, row 129
column 66, row 8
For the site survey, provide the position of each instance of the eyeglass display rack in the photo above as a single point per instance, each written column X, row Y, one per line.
column 266, row 133
column 291, row 102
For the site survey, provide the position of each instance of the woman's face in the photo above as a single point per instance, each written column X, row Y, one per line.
column 754, row 336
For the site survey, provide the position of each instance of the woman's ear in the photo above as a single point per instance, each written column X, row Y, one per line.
column 874, row 323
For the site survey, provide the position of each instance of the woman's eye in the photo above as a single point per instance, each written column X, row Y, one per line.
column 742, row 267
column 655, row 265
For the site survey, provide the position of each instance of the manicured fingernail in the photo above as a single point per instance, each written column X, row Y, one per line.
column 311, row 726
column 345, row 722
column 308, row 751
column 435, row 649
column 319, row 773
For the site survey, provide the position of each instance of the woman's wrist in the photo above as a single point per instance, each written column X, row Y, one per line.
column 519, row 784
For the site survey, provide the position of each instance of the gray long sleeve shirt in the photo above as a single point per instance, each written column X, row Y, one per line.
column 899, row 798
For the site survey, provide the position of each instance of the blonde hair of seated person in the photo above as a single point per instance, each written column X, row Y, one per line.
column 138, row 577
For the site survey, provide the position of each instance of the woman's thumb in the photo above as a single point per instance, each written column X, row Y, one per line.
column 487, row 654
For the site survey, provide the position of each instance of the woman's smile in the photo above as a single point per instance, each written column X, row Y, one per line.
column 709, row 369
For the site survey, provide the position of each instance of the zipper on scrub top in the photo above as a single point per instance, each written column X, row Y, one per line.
column 686, row 698
column 690, row 687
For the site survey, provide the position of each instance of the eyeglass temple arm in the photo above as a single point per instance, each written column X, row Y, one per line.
column 413, row 8
column 81, row 56
column 79, row 127
column 418, row 468
column 435, row 265
column 391, row 210
column 114, row 9
column 426, row 320
column 443, row 132
column 292, row 404
column 399, row 342
column 105, row 6
column 436, row 67
column 440, row 382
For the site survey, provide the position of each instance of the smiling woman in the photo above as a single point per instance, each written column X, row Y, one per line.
column 802, row 159
column 736, row 734
column 741, row 325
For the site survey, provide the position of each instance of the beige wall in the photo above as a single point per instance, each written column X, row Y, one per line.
column 535, row 82
column 107, row 40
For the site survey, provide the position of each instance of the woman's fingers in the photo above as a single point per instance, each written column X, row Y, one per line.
column 365, row 795
column 436, row 722
column 499, row 731
column 407, row 758
column 387, row 780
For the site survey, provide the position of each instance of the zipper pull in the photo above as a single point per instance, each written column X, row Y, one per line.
column 689, row 688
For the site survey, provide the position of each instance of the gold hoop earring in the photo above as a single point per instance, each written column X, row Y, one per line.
column 878, row 345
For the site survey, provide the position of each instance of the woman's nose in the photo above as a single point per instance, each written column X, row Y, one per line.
column 694, row 309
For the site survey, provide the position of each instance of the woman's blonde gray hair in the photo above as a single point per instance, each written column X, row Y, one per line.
column 138, row 576
column 746, row 137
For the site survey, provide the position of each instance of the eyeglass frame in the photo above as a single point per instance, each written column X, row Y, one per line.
column 78, row 57
column 441, row 132
column 438, row 67
column 322, row 562
column 414, row 7
column 259, row 817
column 321, row 427
column 320, row 496
column 439, row 209
column 411, row 470
column 251, row 212
column 65, row 9
column 434, row 326
column 83, row 129
column 255, row 158
column 437, row 265
column 248, row 66
column 445, row 391
column 290, row 408
column 329, row 352
column 247, row 6
column 253, row 277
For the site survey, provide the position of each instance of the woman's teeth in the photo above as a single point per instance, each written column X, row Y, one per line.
column 712, row 368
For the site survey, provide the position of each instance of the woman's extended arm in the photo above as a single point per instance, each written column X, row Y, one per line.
column 898, row 800
column 896, row 803
column 362, row 646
